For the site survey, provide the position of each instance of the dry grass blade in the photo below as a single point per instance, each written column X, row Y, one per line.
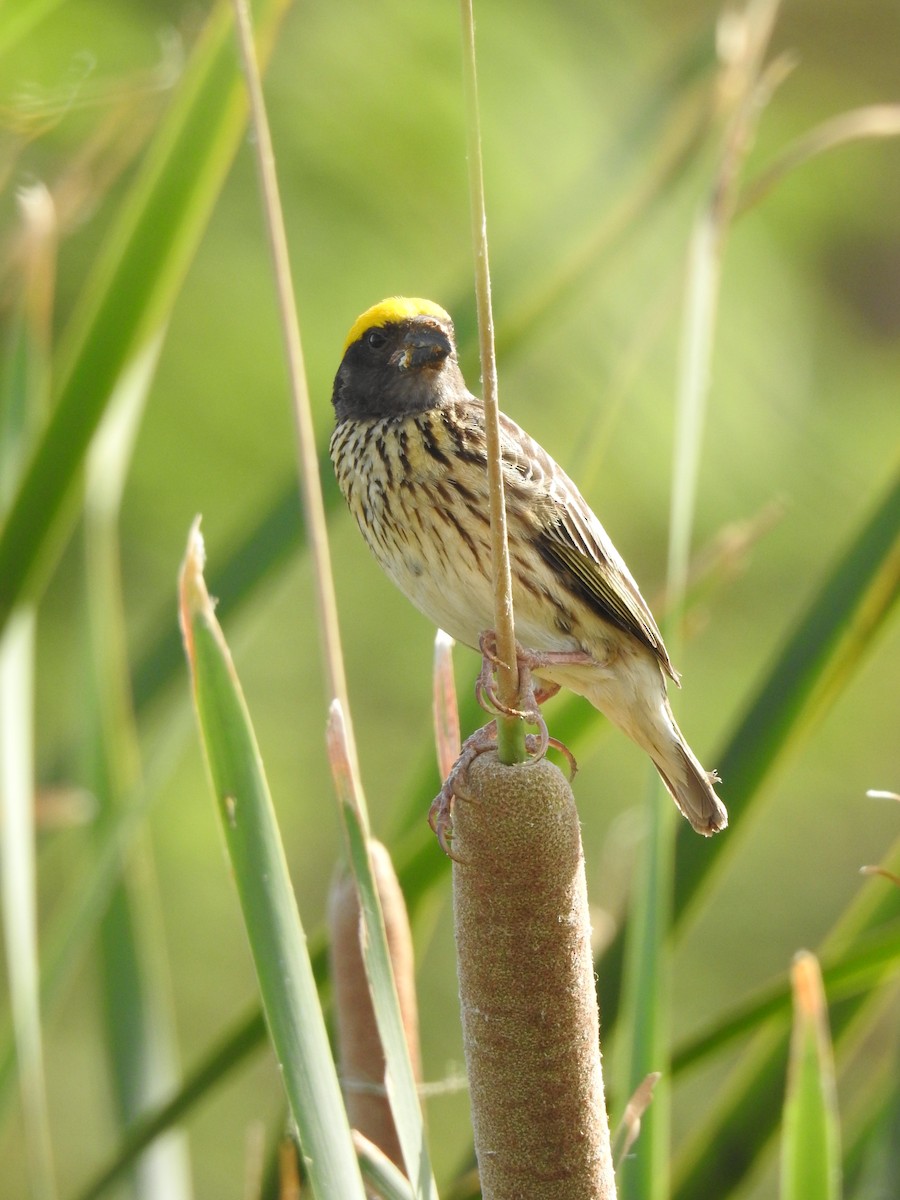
column 876, row 121
column 444, row 706
column 630, row 1125
column 362, row 1061
column 883, row 872
column 310, row 481
column 510, row 730
column 400, row 1049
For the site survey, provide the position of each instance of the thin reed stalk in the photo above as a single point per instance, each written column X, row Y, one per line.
column 510, row 730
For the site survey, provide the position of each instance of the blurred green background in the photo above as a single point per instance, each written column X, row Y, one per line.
column 599, row 143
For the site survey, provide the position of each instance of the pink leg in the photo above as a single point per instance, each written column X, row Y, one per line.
column 530, row 698
column 440, row 816
column 528, row 662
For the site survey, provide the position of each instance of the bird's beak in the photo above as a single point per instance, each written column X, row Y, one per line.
column 423, row 346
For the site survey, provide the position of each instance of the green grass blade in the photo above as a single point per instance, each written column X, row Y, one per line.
column 399, row 1078
column 138, row 1022
column 16, row 20
column 645, row 1172
column 743, row 1119
column 17, row 872
column 277, row 940
column 829, row 643
column 133, row 287
column 810, row 1147
column 229, row 1052
column 379, row 1172
column 860, row 969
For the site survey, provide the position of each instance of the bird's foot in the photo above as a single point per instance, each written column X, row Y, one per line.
column 534, row 744
column 532, row 693
column 486, row 692
column 529, row 662
column 440, row 815
column 530, row 697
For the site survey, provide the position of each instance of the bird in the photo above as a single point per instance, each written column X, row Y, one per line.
column 410, row 456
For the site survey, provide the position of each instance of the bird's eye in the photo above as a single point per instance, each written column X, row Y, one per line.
column 376, row 338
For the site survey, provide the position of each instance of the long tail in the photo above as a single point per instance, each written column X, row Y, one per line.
column 651, row 724
column 688, row 784
column 633, row 696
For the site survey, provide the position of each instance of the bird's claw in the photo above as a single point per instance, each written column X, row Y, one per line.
column 440, row 815
column 567, row 754
column 486, row 685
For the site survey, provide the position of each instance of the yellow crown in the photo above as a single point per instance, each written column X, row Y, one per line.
column 392, row 311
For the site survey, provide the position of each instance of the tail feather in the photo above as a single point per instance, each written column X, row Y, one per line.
column 692, row 788
column 654, row 728
column 633, row 696
column 693, row 791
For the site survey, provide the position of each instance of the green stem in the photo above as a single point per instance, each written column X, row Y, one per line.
column 511, row 740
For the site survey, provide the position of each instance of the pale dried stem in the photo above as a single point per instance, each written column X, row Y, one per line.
column 444, row 707
column 310, row 482
column 362, row 1062
column 511, row 733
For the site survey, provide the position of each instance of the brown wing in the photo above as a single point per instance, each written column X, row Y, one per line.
column 571, row 539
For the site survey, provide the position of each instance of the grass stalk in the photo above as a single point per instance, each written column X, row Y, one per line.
column 399, row 1075
column 131, row 290
column 23, row 394
column 278, row 943
column 18, row 875
column 308, row 463
column 139, row 1024
column 510, row 730
column 743, row 39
